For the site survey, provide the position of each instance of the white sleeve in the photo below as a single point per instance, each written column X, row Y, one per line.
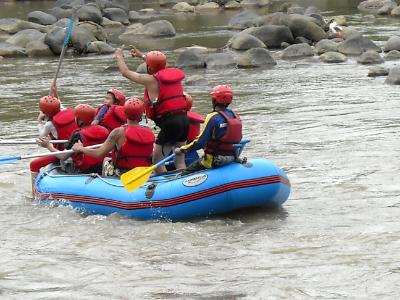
column 46, row 129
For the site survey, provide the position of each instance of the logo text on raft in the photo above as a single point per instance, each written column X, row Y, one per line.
column 195, row 180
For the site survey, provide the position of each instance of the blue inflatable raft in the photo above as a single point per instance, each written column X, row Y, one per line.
column 256, row 183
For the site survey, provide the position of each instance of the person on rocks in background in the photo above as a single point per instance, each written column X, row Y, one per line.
column 222, row 129
column 60, row 124
column 131, row 144
column 87, row 134
column 164, row 102
column 111, row 113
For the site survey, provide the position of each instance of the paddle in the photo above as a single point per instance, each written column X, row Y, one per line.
column 12, row 159
column 65, row 44
column 140, row 175
column 27, row 142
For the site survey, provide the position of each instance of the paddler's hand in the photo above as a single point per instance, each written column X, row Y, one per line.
column 78, row 147
column 44, row 142
column 136, row 53
column 41, row 118
column 119, row 54
column 178, row 151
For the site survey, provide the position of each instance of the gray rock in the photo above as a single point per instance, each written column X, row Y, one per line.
column 393, row 77
column 356, row 45
column 232, row 5
column 311, row 10
column 326, row 46
column 190, row 58
column 370, row 57
column 349, row 32
column 8, row 50
column 80, row 39
column 387, row 8
column 123, row 4
column 160, row 28
column 69, row 3
column 395, row 12
column 207, row 7
column 297, row 51
column 392, row 55
column 41, row 17
column 90, row 13
column 54, row 39
column 116, row 14
column 370, row 6
column 333, row 57
column 99, row 47
column 377, row 71
column 296, row 10
column 218, row 60
column 12, row 25
column 38, row 49
column 245, row 41
column 133, row 16
column 302, row 40
column 272, row 35
column 256, row 57
column 25, row 36
column 142, row 68
column 305, row 27
column 255, row 3
column 96, row 29
column 61, row 13
column 244, row 19
column 392, row 44
column 183, row 7
column 63, row 23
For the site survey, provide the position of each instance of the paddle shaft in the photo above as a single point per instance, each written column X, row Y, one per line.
column 56, row 153
column 28, row 142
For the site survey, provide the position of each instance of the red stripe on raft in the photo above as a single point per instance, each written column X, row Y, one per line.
column 163, row 203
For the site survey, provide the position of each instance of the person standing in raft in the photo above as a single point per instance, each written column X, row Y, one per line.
column 131, row 144
column 223, row 129
column 164, row 102
column 60, row 125
column 111, row 114
column 89, row 135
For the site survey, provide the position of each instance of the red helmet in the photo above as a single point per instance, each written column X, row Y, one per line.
column 155, row 61
column 85, row 113
column 134, row 109
column 118, row 95
column 49, row 105
column 189, row 101
column 222, row 94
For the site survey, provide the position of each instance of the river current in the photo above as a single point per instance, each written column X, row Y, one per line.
column 335, row 132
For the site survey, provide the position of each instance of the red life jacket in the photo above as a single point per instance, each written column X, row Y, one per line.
column 65, row 125
column 90, row 135
column 170, row 98
column 233, row 135
column 136, row 150
column 194, row 125
column 113, row 118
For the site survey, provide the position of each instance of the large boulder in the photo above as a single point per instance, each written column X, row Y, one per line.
column 395, row 12
column 112, row 30
column 295, row 10
column 393, row 55
column 90, row 13
column 218, row 60
column 123, row 4
column 304, row 26
column 232, row 5
column 356, row 45
column 41, row 17
column 332, row 57
column 116, row 14
column 80, row 38
column 244, row 19
column 297, row 51
column 256, row 57
column 207, row 7
column 38, row 49
column 99, row 47
column 378, row 71
column 387, row 8
column 326, row 46
column 8, row 50
column 255, row 3
column 272, row 35
column 61, row 13
column 183, row 7
column 393, row 77
column 25, row 36
column 55, row 39
column 190, row 58
column 160, row 28
column 371, row 6
column 96, row 29
column 370, row 57
column 393, row 43
column 12, row 25
column 245, row 41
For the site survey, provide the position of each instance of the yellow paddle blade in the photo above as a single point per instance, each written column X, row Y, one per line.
column 136, row 177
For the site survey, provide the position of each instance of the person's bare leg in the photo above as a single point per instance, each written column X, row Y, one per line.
column 158, row 155
column 33, row 177
column 180, row 159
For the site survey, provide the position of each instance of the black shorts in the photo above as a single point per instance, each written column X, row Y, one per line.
column 174, row 129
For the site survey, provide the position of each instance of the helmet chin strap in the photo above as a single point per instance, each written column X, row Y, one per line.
column 214, row 104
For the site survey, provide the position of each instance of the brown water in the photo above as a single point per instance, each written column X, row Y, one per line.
column 335, row 132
